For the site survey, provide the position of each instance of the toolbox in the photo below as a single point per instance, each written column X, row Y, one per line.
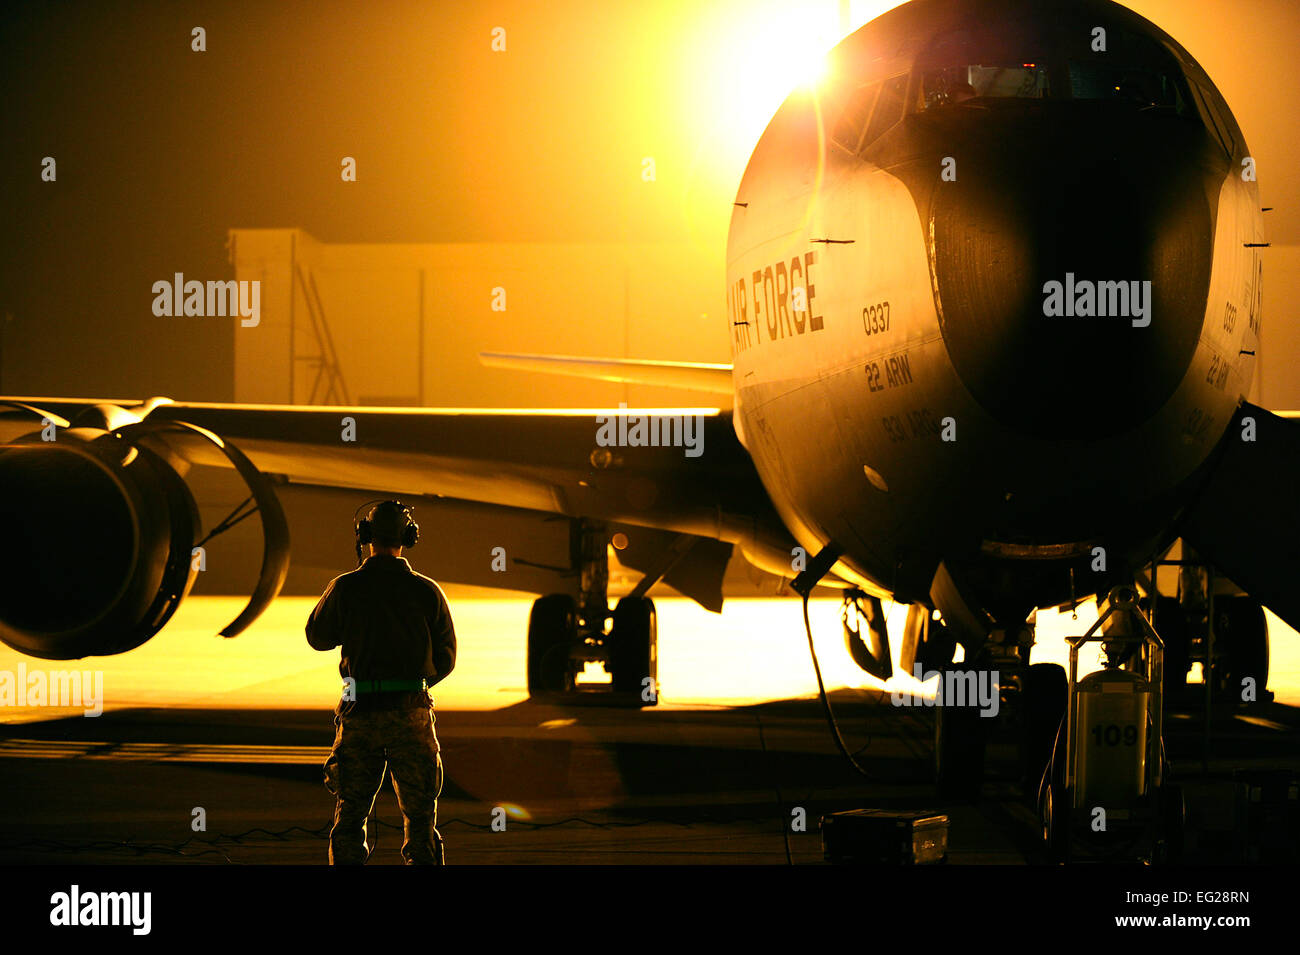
column 885, row 837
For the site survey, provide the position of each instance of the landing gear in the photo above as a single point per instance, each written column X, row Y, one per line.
column 557, row 649
column 567, row 632
column 1042, row 711
column 992, row 679
column 1170, row 619
column 1241, row 629
column 926, row 642
column 634, row 648
column 958, row 748
column 1054, row 812
column 1053, row 797
column 552, row 631
column 965, row 715
column 1233, row 653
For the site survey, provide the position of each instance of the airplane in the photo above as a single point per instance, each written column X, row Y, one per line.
column 993, row 295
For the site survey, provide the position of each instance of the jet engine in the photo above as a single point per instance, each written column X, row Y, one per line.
column 100, row 530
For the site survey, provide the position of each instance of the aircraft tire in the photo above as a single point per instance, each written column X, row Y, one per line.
column 1171, row 624
column 634, row 650
column 1042, row 709
column 552, row 630
column 958, row 751
column 1054, row 813
column 1240, row 622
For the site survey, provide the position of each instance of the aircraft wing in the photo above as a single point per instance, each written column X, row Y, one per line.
column 693, row 375
column 548, row 461
column 1247, row 519
column 541, row 460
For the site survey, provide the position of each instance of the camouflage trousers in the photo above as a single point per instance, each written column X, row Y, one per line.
column 365, row 743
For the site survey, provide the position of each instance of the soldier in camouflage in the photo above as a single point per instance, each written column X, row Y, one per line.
column 396, row 632
column 404, row 739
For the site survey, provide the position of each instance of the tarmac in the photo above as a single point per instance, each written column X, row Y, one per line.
column 532, row 784
column 237, row 780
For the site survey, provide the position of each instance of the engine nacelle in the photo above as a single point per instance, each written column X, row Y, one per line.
column 99, row 532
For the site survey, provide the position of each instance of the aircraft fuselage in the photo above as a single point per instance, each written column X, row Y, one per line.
column 999, row 331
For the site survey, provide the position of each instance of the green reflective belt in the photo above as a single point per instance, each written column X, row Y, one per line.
column 387, row 686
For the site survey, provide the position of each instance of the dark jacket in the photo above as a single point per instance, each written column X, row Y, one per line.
column 393, row 624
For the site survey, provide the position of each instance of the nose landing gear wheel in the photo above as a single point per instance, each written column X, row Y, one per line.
column 1055, row 816
column 1173, row 627
column 958, row 750
column 1054, row 800
column 1046, row 692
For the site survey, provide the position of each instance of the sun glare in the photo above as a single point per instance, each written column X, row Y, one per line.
column 767, row 57
column 746, row 60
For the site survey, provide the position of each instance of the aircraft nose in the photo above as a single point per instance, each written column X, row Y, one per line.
column 1016, row 219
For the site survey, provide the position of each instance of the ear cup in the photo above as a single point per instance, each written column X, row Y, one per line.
column 364, row 534
column 411, row 533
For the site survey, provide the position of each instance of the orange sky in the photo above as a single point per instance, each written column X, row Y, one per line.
column 162, row 150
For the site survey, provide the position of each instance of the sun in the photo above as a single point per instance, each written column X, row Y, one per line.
column 770, row 56
column 748, row 57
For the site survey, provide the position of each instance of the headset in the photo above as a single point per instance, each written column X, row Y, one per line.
column 364, row 528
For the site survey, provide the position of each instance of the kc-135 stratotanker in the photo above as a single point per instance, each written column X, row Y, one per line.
column 993, row 291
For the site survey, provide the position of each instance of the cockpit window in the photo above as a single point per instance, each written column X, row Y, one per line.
column 957, row 84
column 1006, row 60
column 848, row 128
column 889, row 108
column 1221, row 128
column 1032, row 60
column 1137, row 86
column 1125, row 68
column 1133, row 70
column 870, row 112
